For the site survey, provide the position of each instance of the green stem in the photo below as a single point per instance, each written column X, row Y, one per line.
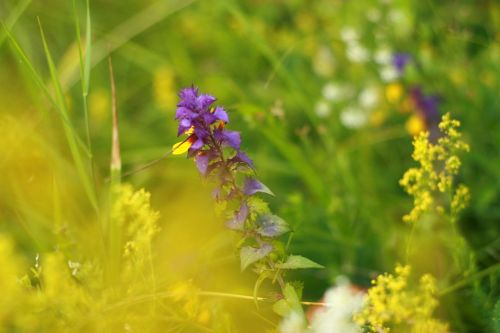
column 470, row 279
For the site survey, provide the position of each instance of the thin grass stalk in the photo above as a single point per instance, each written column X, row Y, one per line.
column 68, row 130
column 114, row 231
column 85, row 73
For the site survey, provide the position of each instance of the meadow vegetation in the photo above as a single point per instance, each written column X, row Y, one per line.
column 250, row 166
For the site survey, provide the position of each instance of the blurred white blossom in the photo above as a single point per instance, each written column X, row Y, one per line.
column 383, row 56
column 343, row 301
column 293, row 323
column 348, row 34
column 322, row 109
column 368, row 98
column 388, row 73
column 356, row 52
column 353, row 117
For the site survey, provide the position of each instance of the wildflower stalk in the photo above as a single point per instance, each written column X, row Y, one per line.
column 217, row 154
column 114, row 229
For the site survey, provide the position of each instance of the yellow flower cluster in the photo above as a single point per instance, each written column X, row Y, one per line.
column 137, row 224
column 50, row 292
column 132, row 210
column 439, row 164
column 187, row 297
column 10, row 301
column 62, row 295
column 393, row 304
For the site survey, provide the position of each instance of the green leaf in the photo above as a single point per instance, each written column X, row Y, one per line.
column 298, row 262
column 290, row 302
column 270, row 225
column 249, row 255
column 496, row 317
column 281, row 308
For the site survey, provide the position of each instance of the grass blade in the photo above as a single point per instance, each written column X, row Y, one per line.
column 116, row 163
column 127, row 30
column 68, row 130
column 40, row 83
column 85, row 72
column 13, row 17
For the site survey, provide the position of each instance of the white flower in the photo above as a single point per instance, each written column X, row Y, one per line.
column 332, row 92
column 356, row 52
column 388, row 73
column 353, row 117
column 348, row 34
column 335, row 92
column 322, row 109
column 293, row 323
column 368, row 98
column 383, row 56
column 342, row 303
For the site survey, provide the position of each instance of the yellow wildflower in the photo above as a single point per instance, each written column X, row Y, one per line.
column 393, row 304
column 415, row 125
column 394, row 92
column 439, row 164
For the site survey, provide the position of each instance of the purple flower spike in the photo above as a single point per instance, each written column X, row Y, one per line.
column 242, row 158
column 184, row 125
column 221, row 114
column 197, row 145
column 202, row 163
column 238, row 222
column 204, row 101
column 400, row 60
column 253, row 186
column 183, row 112
column 188, row 96
column 231, row 139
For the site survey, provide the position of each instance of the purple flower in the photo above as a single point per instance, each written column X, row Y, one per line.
column 400, row 60
column 193, row 110
column 221, row 114
column 202, row 163
column 428, row 108
column 238, row 221
column 231, row 139
column 427, row 104
column 253, row 186
column 242, row 158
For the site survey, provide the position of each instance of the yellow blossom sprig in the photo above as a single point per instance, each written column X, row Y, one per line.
column 434, row 178
column 395, row 304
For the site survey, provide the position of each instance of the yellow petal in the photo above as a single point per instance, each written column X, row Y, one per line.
column 415, row 125
column 190, row 131
column 181, row 147
column 393, row 92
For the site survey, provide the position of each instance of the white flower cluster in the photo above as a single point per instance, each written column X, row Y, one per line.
column 336, row 316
